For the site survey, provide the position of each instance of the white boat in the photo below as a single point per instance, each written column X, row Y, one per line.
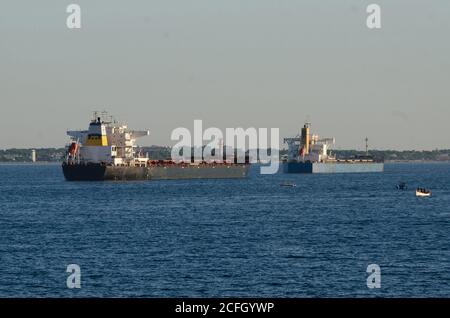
column 423, row 193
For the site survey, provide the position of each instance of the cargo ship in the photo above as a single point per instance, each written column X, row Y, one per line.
column 308, row 153
column 108, row 151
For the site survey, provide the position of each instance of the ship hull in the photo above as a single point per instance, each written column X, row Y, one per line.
column 338, row 167
column 97, row 172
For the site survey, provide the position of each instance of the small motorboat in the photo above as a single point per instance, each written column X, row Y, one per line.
column 421, row 192
column 402, row 186
column 288, row 184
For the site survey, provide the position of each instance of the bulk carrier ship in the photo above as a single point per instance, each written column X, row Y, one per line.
column 108, row 151
column 310, row 154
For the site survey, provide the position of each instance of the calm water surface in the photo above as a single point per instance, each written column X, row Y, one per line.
column 219, row 238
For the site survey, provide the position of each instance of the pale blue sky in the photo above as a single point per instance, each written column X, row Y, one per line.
column 261, row 63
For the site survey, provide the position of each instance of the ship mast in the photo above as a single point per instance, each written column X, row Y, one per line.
column 367, row 146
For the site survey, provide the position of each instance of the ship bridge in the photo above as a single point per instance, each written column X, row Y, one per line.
column 106, row 141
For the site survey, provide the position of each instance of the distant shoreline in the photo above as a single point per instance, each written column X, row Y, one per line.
column 27, row 163
column 417, row 161
column 53, row 163
column 46, row 155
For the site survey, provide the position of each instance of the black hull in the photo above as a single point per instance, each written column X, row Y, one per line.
column 97, row 172
column 84, row 172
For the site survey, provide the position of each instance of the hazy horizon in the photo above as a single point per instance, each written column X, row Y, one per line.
column 282, row 147
column 255, row 63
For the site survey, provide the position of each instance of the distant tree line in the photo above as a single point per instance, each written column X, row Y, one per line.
column 394, row 155
column 24, row 155
column 161, row 152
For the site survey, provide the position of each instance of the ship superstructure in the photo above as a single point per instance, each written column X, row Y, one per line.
column 309, row 148
column 108, row 151
column 106, row 142
column 308, row 153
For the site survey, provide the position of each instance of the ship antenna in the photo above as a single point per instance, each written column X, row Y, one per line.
column 308, row 120
column 104, row 115
column 367, row 146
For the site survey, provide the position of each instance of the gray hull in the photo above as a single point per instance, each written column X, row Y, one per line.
column 94, row 172
column 339, row 167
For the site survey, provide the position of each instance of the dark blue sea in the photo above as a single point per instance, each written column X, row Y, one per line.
column 220, row 238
